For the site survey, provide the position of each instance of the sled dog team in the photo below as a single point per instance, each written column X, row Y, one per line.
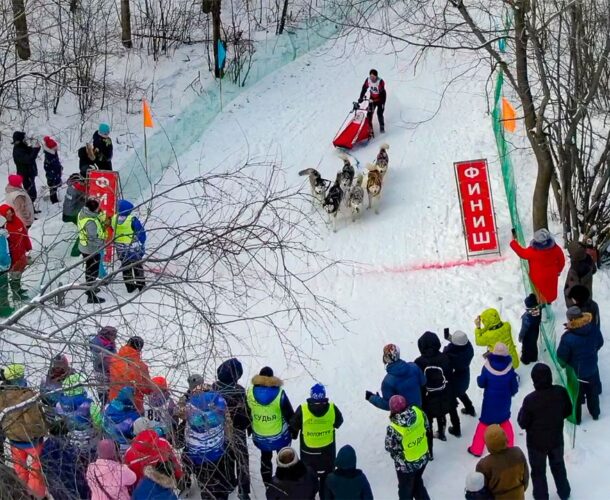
column 348, row 189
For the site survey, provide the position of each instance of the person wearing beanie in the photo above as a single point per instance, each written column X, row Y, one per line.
column 270, row 411
column 5, row 265
column 19, row 245
column 439, row 398
column 490, row 329
column 50, row 387
column 129, row 241
column 119, row 416
column 475, row 487
column 578, row 349
column 25, row 429
column 580, row 296
column 52, row 167
column 107, row 477
column 375, row 88
column 316, row 421
column 161, row 410
column 227, row 385
column 541, row 416
column 18, row 198
column 402, row 377
column 103, row 348
column 460, row 353
column 128, row 369
column 158, row 483
column 24, row 156
column 407, row 443
column 102, row 147
column 582, row 269
column 500, row 383
column 530, row 330
column 505, row 468
column 293, row 479
column 347, row 482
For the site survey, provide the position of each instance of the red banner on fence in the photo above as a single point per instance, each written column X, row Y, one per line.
column 476, row 203
column 104, row 185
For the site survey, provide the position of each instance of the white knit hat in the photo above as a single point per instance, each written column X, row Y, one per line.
column 459, row 338
column 141, row 424
column 287, row 457
column 475, row 481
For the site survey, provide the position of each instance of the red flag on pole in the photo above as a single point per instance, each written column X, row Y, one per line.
column 147, row 115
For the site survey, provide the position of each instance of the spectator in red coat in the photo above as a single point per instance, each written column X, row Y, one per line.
column 19, row 244
column 546, row 261
column 375, row 87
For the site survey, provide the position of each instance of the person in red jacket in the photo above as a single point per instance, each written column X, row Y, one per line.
column 546, row 261
column 375, row 87
column 19, row 244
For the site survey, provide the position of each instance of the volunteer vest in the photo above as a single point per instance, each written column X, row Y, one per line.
column 266, row 419
column 414, row 442
column 82, row 233
column 374, row 88
column 123, row 232
column 318, row 432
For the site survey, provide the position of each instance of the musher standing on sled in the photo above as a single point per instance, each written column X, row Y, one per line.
column 375, row 86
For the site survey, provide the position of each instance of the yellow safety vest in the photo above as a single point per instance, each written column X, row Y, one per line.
column 266, row 419
column 123, row 233
column 82, row 233
column 414, row 441
column 318, row 432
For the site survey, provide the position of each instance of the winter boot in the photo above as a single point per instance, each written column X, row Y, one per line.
column 455, row 431
column 441, row 429
column 130, row 287
column 469, row 411
column 54, row 199
column 92, row 298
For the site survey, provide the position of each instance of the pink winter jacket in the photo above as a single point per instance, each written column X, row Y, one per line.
column 108, row 480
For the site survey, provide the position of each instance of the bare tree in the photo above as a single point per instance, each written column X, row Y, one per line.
column 126, row 24
column 22, row 37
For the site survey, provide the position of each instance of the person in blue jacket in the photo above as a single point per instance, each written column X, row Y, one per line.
column 52, row 167
column 578, row 349
column 158, row 483
column 5, row 264
column 402, row 378
column 129, row 241
column 119, row 416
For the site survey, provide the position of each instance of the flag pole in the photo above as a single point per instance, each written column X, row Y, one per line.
column 221, row 93
column 145, row 144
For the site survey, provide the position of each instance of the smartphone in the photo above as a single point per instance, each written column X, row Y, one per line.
column 446, row 334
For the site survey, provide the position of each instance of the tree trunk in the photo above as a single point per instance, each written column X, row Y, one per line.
column 126, row 24
column 216, row 36
column 282, row 24
column 22, row 38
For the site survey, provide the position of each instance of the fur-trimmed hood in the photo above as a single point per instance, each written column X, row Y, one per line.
column 264, row 381
column 576, row 323
column 266, row 388
column 159, row 478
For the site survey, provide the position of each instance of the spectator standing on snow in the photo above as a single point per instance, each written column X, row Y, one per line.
column 271, row 411
column 530, row 330
column 86, row 160
column 500, row 383
column 92, row 241
column 490, row 329
column 159, row 483
column 541, row 416
column 546, row 261
column 52, row 167
column 375, row 87
column 51, row 386
column 582, row 269
column 505, row 468
column 24, row 157
column 107, row 477
column 75, row 198
column 407, row 444
column 102, row 146
column 129, row 241
column 293, row 479
column 5, row 264
column 316, row 421
column 227, row 385
column 578, row 349
column 347, row 482
column 103, row 347
column 475, row 487
column 581, row 297
column 18, row 198
column 19, row 245
column 460, row 353
column 405, row 379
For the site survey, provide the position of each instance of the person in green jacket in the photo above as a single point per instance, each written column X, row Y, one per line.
column 490, row 329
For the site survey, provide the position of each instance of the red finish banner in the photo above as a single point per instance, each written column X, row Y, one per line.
column 104, row 185
column 476, row 203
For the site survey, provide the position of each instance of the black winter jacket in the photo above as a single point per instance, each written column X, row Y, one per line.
column 460, row 357
column 297, row 482
column 544, row 411
column 103, row 151
column 25, row 159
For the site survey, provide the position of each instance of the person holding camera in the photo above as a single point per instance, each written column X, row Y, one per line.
column 24, row 156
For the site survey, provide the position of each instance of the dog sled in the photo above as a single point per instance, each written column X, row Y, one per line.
column 355, row 129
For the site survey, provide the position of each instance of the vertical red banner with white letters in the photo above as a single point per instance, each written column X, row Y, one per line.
column 476, row 203
column 104, row 185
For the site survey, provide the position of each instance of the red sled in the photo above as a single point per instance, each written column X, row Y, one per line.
column 355, row 129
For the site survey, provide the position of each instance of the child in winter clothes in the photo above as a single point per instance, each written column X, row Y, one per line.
column 460, row 352
column 102, row 145
column 24, row 156
column 530, row 330
column 52, row 167
column 19, row 245
column 129, row 241
column 50, row 387
column 119, row 417
column 76, row 196
column 292, row 479
column 103, row 347
column 5, row 264
column 161, row 409
column 347, row 482
column 490, row 330
column 107, row 477
column 500, row 383
column 18, row 198
column 159, row 483
column 580, row 295
column 475, row 487
column 86, row 160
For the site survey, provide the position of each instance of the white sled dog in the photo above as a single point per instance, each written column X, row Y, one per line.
column 356, row 197
column 318, row 184
column 383, row 160
column 332, row 202
column 374, row 184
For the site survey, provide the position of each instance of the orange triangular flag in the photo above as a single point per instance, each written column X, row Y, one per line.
column 147, row 115
column 509, row 116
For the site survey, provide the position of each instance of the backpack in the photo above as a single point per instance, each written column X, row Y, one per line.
column 435, row 378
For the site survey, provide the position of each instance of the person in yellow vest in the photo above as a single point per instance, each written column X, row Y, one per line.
column 92, row 225
column 129, row 241
column 317, row 420
column 407, row 444
column 270, row 412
